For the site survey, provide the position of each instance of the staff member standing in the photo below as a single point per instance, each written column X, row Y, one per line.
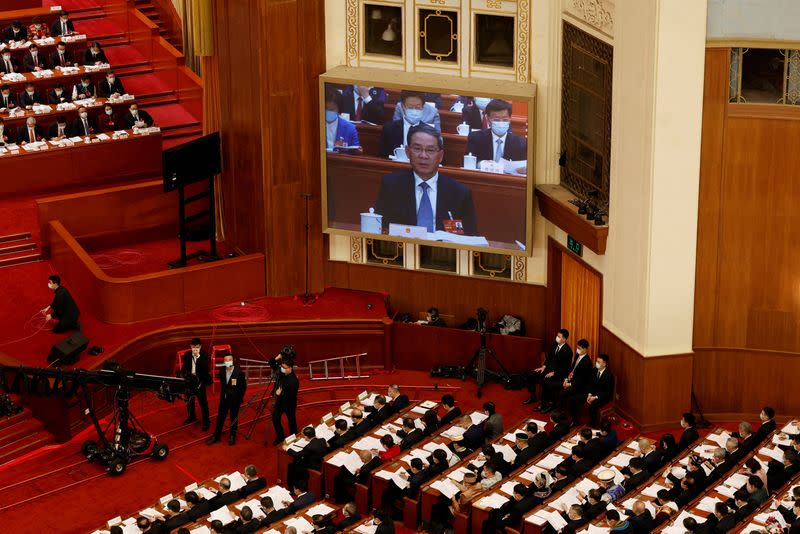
column 233, row 384
column 195, row 364
column 62, row 308
column 285, row 391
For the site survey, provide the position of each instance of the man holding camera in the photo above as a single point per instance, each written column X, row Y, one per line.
column 285, row 391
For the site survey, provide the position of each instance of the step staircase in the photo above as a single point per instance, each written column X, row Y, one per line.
column 21, row 434
column 16, row 249
column 150, row 11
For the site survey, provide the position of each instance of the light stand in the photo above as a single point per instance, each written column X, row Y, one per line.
column 477, row 364
column 307, row 297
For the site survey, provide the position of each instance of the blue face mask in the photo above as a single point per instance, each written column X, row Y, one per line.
column 330, row 116
column 482, row 102
column 413, row 116
column 500, row 128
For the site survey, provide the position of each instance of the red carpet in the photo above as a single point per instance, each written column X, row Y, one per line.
column 144, row 257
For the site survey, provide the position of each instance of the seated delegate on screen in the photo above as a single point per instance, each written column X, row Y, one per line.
column 497, row 141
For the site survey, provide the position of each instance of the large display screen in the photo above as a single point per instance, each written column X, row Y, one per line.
column 438, row 167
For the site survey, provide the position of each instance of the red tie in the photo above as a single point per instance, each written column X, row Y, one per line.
column 359, row 109
column 62, row 59
column 485, row 121
column 31, row 135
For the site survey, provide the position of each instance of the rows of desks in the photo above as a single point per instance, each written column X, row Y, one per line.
column 67, row 77
column 94, row 107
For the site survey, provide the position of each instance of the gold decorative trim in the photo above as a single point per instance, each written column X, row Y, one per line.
column 424, row 34
column 520, row 269
column 356, row 250
column 352, row 23
column 492, row 272
column 595, row 13
column 523, row 40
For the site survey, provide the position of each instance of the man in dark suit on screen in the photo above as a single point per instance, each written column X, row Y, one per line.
column 195, row 364
column 497, row 141
column 421, row 196
column 234, row 385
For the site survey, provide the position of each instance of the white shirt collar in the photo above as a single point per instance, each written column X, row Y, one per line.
column 433, row 182
column 496, row 137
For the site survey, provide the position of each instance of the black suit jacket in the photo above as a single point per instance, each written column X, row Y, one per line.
column 370, row 112
column 311, row 455
column 340, row 440
column 558, row 432
column 472, row 116
column 55, row 28
column 176, row 521
column 143, row 116
column 602, row 387
column 451, row 416
column 581, row 467
column 78, row 129
column 22, row 34
column 199, row 510
column 397, row 201
column 300, row 502
column 378, row 416
column 30, row 65
column 539, row 441
column 412, row 438
column 14, row 65
column 251, row 526
column 367, row 468
column 385, row 528
column 524, row 456
column 53, row 98
column 105, row 89
column 55, row 59
column 9, row 102
column 346, row 522
column 643, row 523
column 87, row 91
column 229, row 391
column 27, row 100
column 22, row 134
column 201, row 367
column 558, row 362
column 473, row 438
column 222, row 499
column 766, row 428
column 634, row 481
column 272, row 517
column 481, row 145
column 391, row 138
column 363, row 427
column 91, row 59
column 52, row 131
column 252, row 487
column 582, row 375
column 594, row 450
column 63, row 306
column 288, row 384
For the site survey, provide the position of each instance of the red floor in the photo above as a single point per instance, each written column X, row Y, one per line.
column 144, row 257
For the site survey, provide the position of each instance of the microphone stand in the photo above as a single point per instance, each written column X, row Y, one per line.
column 307, row 297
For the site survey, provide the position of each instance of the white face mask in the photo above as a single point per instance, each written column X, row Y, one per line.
column 109, row 111
column 59, row 91
column 195, row 351
column 558, row 340
column 110, row 79
column 30, row 93
column 581, row 352
column 286, row 370
column 84, row 114
column 228, row 363
column 597, row 365
column 50, row 285
column 31, row 124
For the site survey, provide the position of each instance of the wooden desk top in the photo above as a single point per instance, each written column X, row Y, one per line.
column 78, row 146
column 49, row 117
column 58, row 76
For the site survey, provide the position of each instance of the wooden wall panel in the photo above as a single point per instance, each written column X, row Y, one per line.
column 652, row 392
column 413, row 292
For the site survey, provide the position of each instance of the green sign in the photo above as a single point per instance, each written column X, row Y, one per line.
column 574, row 246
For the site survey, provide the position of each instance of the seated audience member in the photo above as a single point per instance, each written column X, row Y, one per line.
column 430, row 420
column 363, row 103
column 667, row 446
column 640, row 517
column 108, row 121
column 467, row 489
column 136, row 117
column 767, row 427
column 217, row 527
column 248, row 523
column 7, row 98
column 4, row 138
column 582, row 464
column 253, row 482
column 62, row 57
column 33, row 60
column 494, row 424
column 432, row 318
column 198, row 507
column 379, row 411
column 611, row 490
column 398, row 401
column 16, row 32
column 302, row 498
column 404, row 196
column 608, row 436
column 224, row 496
column 665, row 507
column 594, row 449
column 793, row 446
column 144, row 525
column 497, row 141
column 719, row 464
column 361, row 424
column 116, row 529
column 409, row 435
column 345, row 481
column 593, row 505
column 58, row 95
column 383, row 521
column 474, row 435
column 395, row 133
column 338, row 131
column 38, row 29
column 391, row 449
column 430, row 114
column 538, row 439
column 473, row 113
column 560, row 426
column 758, row 492
column 459, row 449
column 452, row 412
column 94, row 55
column 8, row 64
column 638, row 474
column 30, row 96
column 489, row 455
column 509, row 514
column 416, row 475
column 617, row 524
column 649, row 454
column 752, row 467
column 748, row 437
column 600, row 390
column 84, row 88
column 574, row 517
column 342, row 435
column 734, row 452
column 309, row 457
column 83, row 125
column 524, row 452
column 176, row 518
column 271, row 515
column 490, row 475
column 556, row 364
column 29, row 132
column 62, row 25
column 438, row 462
column 111, row 86
column 562, row 477
column 742, row 505
column 689, row 434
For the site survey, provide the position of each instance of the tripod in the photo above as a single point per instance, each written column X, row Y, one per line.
column 477, row 364
column 263, row 399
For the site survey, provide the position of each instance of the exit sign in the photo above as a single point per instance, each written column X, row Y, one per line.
column 574, row 246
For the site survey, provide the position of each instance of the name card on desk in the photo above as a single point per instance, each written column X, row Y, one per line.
column 407, row 230
column 115, row 521
column 165, row 499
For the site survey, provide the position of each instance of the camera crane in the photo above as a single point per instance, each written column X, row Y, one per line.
column 117, row 446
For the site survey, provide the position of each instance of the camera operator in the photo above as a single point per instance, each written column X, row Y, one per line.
column 285, row 391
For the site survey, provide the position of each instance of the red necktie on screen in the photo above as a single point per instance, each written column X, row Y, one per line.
column 359, row 109
column 485, row 121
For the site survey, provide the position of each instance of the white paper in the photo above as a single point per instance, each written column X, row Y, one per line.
column 151, row 514
column 620, row 460
column 223, row 514
column 707, row 504
column 353, row 462
column 338, row 459
column 367, row 528
column 200, row 530
column 736, row 480
column 279, row 495
column 453, row 432
column 550, row 461
column 652, row 490
column 367, row 443
column 446, row 487
column 555, row 519
column 586, row 485
column 300, row 523
column 401, row 482
column 508, row 453
column 386, row 475
column 419, row 409
column 494, row 500
column 719, row 439
column 511, row 436
column 428, row 404
column 458, row 474
column 776, row 453
column 478, row 417
column 205, row 493
column 255, row 506
column 321, row 509
column 725, row 490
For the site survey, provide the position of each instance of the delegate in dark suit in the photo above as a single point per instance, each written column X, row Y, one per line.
column 601, row 386
column 106, row 89
column 61, row 60
column 20, row 35
column 471, row 114
column 58, row 27
column 23, row 135
column 233, row 385
column 53, row 98
column 53, row 132
column 203, row 381
column 130, row 120
column 309, row 457
column 481, row 145
column 83, row 126
column 391, row 138
column 300, row 502
column 30, row 63
column 65, row 310
column 344, row 482
column 8, row 101
column 371, row 111
column 27, row 99
column 90, row 58
column 397, row 201
column 9, row 65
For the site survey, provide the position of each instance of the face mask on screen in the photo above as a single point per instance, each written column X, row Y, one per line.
column 413, row 116
column 330, row 116
column 500, row 128
column 482, row 102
